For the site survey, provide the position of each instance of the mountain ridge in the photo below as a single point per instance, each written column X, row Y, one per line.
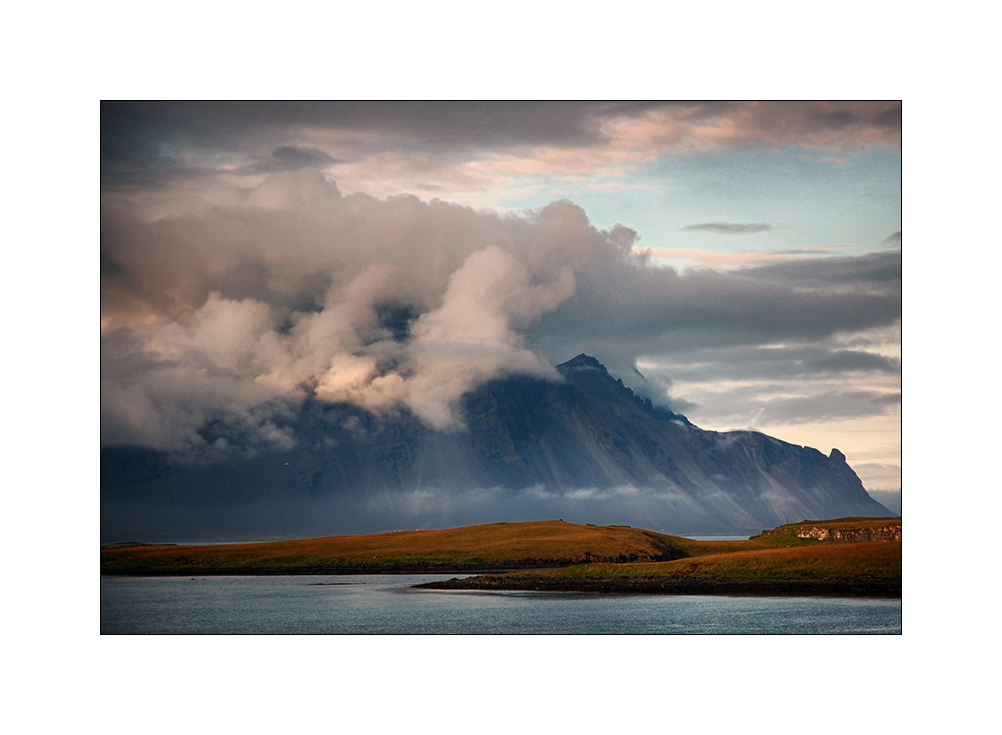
column 584, row 447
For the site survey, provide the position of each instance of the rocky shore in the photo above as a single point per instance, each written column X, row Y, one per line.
column 884, row 533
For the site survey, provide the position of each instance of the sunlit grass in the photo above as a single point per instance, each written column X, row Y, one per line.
column 618, row 551
column 832, row 560
column 499, row 544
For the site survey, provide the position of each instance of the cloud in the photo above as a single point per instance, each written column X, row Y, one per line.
column 128, row 127
column 834, row 406
column 883, row 476
column 826, row 126
column 693, row 257
column 785, row 362
column 729, row 228
column 710, row 258
column 874, row 272
column 468, row 340
column 218, row 323
column 835, row 127
column 289, row 158
column 893, row 238
column 784, row 400
column 235, row 314
column 658, row 311
column 385, row 148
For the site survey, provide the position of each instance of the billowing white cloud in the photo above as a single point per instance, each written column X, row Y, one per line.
column 469, row 339
column 220, row 319
column 384, row 304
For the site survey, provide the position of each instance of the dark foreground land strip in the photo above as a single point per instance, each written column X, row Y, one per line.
column 681, row 585
column 320, row 570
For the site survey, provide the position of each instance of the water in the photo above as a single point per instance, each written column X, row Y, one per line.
column 388, row 604
column 745, row 537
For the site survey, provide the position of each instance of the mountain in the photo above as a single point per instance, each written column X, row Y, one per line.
column 585, row 448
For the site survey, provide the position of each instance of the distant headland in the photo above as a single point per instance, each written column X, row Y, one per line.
column 846, row 556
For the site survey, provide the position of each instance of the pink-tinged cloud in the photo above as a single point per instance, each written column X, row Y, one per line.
column 835, row 127
column 630, row 143
column 389, row 150
column 713, row 258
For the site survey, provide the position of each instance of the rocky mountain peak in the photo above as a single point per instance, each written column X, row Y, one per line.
column 583, row 361
column 585, row 447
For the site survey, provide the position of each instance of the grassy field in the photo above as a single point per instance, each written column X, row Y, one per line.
column 500, row 545
column 604, row 551
column 823, row 561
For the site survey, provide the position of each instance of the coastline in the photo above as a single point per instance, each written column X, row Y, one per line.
column 497, row 579
column 429, row 568
column 849, row 557
column 680, row 585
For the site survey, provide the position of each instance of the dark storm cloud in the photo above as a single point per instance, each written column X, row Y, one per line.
column 139, row 148
column 289, row 158
column 659, row 311
column 141, row 142
column 431, row 123
column 143, row 132
column 823, row 125
column 131, row 125
column 833, row 120
column 874, row 271
column 845, row 361
column 891, row 117
column 109, row 268
column 154, row 172
column 788, row 322
column 853, row 116
column 776, row 363
column 729, row 228
column 127, row 134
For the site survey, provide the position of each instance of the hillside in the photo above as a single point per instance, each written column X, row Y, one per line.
column 583, row 448
column 493, row 546
column 786, row 561
column 586, row 553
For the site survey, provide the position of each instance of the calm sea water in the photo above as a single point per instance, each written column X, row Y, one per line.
column 389, row 604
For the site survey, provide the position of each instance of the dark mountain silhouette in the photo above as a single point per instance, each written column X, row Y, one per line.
column 586, row 449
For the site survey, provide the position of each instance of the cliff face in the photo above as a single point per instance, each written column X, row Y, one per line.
column 586, row 449
column 884, row 533
column 591, row 431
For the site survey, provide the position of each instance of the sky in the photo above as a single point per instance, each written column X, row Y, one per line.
column 349, row 51
column 745, row 258
column 539, row 50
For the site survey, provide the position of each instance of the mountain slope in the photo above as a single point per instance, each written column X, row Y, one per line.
column 594, row 432
column 585, row 448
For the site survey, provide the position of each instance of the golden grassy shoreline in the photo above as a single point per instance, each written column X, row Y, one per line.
column 566, row 556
